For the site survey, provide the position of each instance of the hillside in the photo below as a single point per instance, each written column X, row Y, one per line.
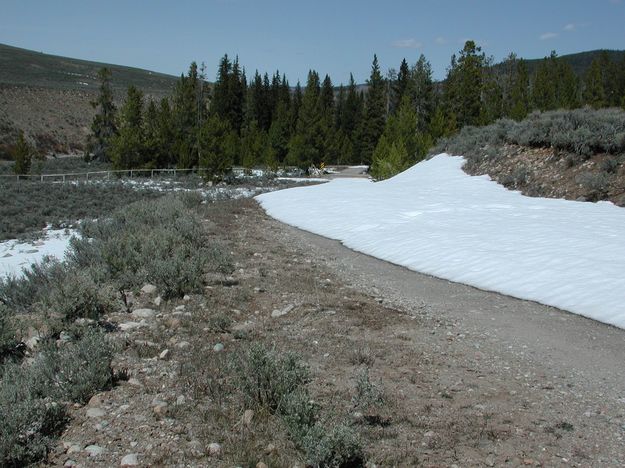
column 47, row 96
column 29, row 68
column 581, row 61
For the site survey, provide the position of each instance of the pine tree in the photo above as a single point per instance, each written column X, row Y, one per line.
column 544, row 86
column 401, row 85
column 374, row 119
column 128, row 146
column 464, row 85
column 421, row 92
column 492, row 95
column 594, row 92
column 22, row 154
column 518, row 107
column 280, row 132
column 103, row 127
column 567, row 86
column 217, row 141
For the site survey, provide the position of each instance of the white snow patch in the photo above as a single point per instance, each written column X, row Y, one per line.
column 434, row 218
column 16, row 255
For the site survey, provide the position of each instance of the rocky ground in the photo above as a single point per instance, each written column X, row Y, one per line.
column 454, row 393
column 545, row 172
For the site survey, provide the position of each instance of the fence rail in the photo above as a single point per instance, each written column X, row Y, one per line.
column 96, row 174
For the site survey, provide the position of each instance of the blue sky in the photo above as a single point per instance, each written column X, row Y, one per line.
column 334, row 37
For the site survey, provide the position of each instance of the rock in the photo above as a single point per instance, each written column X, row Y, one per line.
column 95, row 412
column 173, row 323
column 218, row 347
column 148, row 289
column 358, row 416
column 134, row 382
column 69, row 463
column 74, row 448
column 127, row 326
column 164, row 354
column 130, row 460
column 32, row 342
column 180, row 400
column 280, row 312
column 144, row 313
column 214, row 449
column 161, row 408
column 260, row 464
column 158, row 301
column 179, row 308
column 429, row 434
column 94, row 450
column 183, row 345
column 271, row 448
column 186, row 298
column 248, row 415
column 65, row 337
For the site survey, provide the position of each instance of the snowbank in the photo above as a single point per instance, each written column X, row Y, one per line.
column 15, row 255
column 434, row 218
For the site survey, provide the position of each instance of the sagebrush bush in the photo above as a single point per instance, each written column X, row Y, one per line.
column 266, row 378
column 583, row 132
column 161, row 242
column 333, row 445
column 20, row 293
column 7, row 332
column 367, row 394
column 32, row 397
column 77, row 295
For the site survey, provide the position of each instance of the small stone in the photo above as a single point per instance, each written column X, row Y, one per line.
column 173, row 323
column 144, row 313
column 94, row 450
column 127, row 326
column 95, row 412
column 130, row 460
column 75, row 448
column 65, row 337
column 158, row 301
column 69, row 463
column 134, row 382
column 214, row 449
column 429, row 434
column 271, row 448
column 179, row 308
column 183, row 345
column 248, row 415
column 148, row 289
column 260, row 464
column 161, row 408
column 164, row 354
column 358, row 416
column 218, row 347
column 280, row 312
column 180, row 400
column 186, row 298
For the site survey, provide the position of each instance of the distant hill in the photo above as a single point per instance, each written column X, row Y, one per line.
column 580, row 61
column 30, row 68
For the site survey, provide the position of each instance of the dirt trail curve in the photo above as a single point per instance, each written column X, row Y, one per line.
column 572, row 367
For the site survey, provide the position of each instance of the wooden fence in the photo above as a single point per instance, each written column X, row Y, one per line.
column 98, row 174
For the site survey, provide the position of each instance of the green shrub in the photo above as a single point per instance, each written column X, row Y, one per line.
column 78, row 295
column 367, row 393
column 7, row 332
column 75, row 371
column 335, row 446
column 299, row 414
column 266, row 378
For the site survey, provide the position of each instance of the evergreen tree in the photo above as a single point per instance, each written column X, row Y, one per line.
column 280, row 132
column 128, row 146
column 594, row 92
column 253, row 145
column 492, row 95
column 189, row 104
column 518, row 106
column 22, row 155
column 464, row 85
column 401, row 85
column 374, row 118
column 421, row 92
column 567, row 86
column 103, row 127
column 544, row 86
column 218, row 143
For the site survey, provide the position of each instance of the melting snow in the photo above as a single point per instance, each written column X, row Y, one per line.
column 434, row 218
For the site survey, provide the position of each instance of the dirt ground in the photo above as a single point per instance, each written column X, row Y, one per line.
column 469, row 378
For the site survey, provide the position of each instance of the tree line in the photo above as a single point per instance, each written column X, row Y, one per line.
column 389, row 124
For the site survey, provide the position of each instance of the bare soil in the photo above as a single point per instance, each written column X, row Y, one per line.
column 470, row 378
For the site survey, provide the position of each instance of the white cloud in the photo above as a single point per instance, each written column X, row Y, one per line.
column 548, row 35
column 440, row 40
column 570, row 27
column 407, row 44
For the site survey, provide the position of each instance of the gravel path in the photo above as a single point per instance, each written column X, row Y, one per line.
column 575, row 365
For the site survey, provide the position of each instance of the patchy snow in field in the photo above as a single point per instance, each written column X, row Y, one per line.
column 303, row 179
column 16, row 255
column 434, row 218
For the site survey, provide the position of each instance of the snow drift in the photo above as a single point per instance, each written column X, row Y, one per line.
column 435, row 219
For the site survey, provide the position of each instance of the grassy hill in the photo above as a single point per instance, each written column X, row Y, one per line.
column 581, row 61
column 29, row 68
